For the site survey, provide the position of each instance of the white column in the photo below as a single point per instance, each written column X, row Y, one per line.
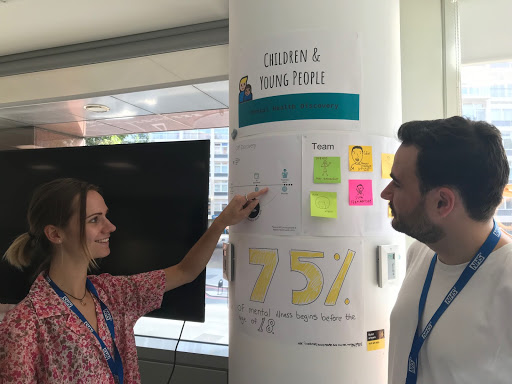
column 305, row 305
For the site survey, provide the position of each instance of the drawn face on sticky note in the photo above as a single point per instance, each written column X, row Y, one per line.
column 360, row 192
column 360, row 158
column 324, row 204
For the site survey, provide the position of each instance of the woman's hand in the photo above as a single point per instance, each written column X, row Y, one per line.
column 239, row 208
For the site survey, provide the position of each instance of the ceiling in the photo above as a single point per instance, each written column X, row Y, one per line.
column 28, row 25
column 33, row 25
column 177, row 108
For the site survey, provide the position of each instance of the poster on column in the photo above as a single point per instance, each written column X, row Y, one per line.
column 365, row 161
column 273, row 162
column 305, row 292
column 304, row 75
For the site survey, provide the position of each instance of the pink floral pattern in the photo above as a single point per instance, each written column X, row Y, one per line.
column 43, row 341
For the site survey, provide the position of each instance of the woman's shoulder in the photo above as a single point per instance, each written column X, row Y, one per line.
column 20, row 321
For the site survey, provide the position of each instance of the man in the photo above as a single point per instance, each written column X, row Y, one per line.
column 448, row 179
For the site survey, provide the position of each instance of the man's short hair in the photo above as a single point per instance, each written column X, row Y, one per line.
column 463, row 154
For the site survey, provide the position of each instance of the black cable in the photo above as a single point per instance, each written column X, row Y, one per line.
column 175, row 349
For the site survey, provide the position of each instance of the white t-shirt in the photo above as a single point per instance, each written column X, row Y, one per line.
column 472, row 341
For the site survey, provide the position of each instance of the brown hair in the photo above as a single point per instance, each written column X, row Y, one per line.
column 52, row 203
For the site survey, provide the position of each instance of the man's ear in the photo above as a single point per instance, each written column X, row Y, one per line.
column 445, row 199
column 53, row 234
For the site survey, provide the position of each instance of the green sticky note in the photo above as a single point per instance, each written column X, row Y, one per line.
column 324, row 204
column 326, row 170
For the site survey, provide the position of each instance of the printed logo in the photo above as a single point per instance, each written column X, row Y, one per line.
column 106, row 353
column 107, row 314
column 67, row 301
column 426, row 331
column 89, row 326
column 479, row 259
column 452, row 295
column 496, row 232
column 412, row 366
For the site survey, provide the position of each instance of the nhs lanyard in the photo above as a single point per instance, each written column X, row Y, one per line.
column 467, row 274
column 115, row 364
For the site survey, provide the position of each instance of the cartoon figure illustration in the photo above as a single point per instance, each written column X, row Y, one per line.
column 325, row 165
column 242, row 85
column 247, row 93
column 285, row 173
column 322, row 202
column 360, row 192
column 357, row 156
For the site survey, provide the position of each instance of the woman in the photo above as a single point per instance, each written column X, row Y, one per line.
column 77, row 328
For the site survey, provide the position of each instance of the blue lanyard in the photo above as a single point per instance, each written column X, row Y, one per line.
column 115, row 364
column 475, row 263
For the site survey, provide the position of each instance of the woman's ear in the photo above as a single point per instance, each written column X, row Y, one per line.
column 53, row 234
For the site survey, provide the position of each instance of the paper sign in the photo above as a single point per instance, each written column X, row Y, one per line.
column 324, row 204
column 326, row 170
column 387, row 163
column 360, row 192
column 360, row 158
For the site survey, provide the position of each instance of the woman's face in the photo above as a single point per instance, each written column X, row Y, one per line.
column 97, row 228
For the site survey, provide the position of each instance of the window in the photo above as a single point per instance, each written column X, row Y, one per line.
column 491, row 100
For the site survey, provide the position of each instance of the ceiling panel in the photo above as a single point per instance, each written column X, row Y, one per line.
column 118, row 108
column 218, row 90
column 39, row 113
column 168, row 100
column 10, row 124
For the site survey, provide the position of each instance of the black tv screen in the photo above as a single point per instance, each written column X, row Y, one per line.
column 157, row 195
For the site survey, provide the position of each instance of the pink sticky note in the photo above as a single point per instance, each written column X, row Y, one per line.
column 360, row 192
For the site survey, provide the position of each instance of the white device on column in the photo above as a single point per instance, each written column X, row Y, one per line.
column 387, row 262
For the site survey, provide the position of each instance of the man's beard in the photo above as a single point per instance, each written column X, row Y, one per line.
column 417, row 225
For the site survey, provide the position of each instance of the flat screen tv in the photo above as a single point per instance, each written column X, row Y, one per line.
column 157, row 195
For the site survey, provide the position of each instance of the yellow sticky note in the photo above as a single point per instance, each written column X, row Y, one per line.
column 360, row 158
column 324, row 204
column 387, row 163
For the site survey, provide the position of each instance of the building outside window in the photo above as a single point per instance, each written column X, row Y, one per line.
column 487, row 95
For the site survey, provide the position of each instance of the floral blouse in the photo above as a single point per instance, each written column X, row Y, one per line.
column 43, row 341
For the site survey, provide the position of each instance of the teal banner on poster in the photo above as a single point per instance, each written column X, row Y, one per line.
column 301, row 106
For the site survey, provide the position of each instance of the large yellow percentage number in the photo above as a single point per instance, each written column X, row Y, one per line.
column 334, row 292
column 313, row 274
column 269, row 259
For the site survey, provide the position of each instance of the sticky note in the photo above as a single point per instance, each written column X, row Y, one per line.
column 390, row 212
column 360, row 158
column 360, row 192
column 324, row 204
column 387, row 163
column 326, row 170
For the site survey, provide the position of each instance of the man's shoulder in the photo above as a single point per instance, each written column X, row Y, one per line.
column 418, row 253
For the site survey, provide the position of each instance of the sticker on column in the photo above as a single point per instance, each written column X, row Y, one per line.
column 360, row 158
column 387, row 164
column 326, row 170
column 375, row 340
column 360, row 192
column 309, row 293
column 324, row 204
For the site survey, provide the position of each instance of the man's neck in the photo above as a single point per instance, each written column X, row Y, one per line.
column 462, row 242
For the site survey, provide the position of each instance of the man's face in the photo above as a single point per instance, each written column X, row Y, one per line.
column 247, row 91
column 357, row 155
column 407, row 203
